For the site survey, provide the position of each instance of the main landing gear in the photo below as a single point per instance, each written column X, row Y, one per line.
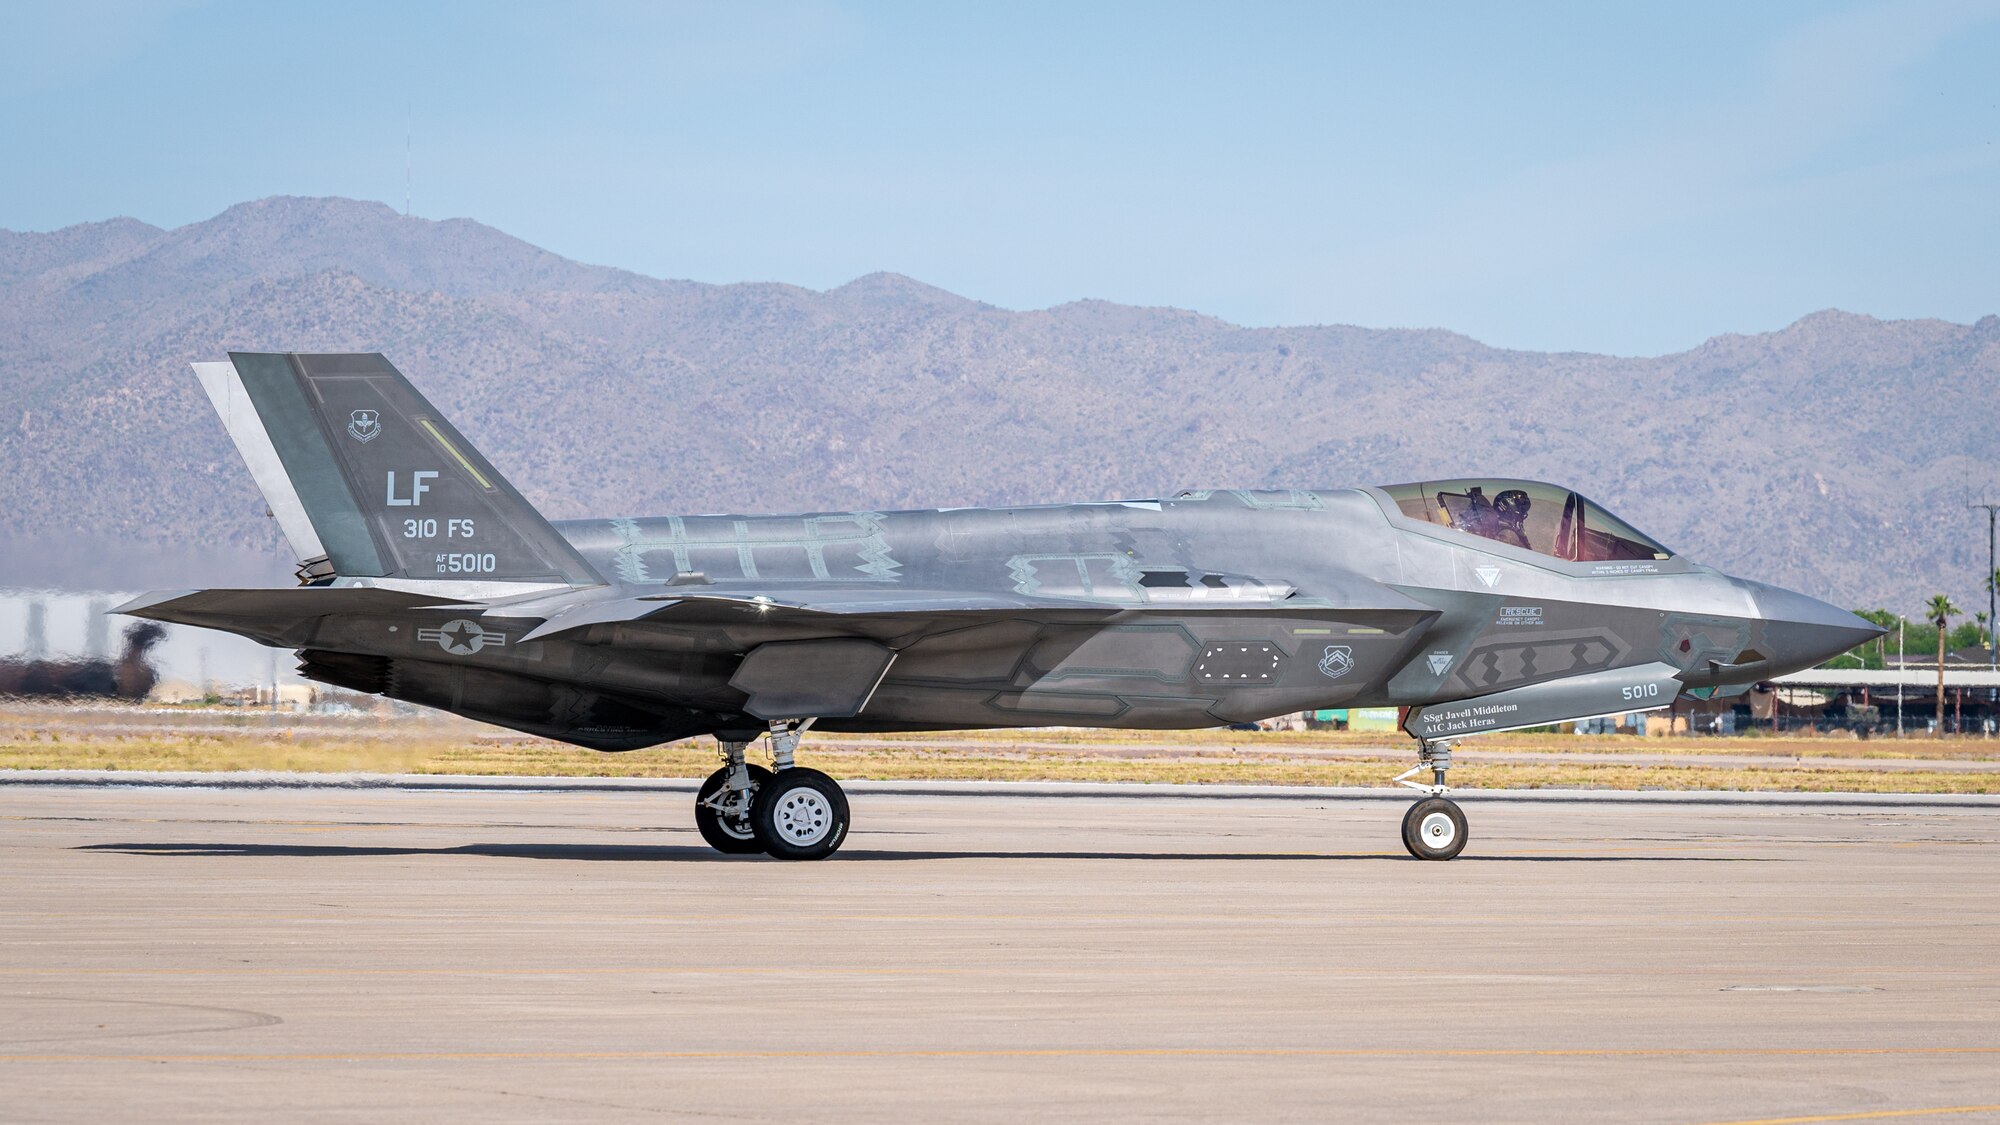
column 1433, row 828
column 788, row 811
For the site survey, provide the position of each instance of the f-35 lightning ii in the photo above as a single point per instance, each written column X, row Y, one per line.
column 1477, row 605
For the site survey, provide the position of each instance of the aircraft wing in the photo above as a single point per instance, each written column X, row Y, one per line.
column 825, row 603
column 776, row 605
column 284, row 617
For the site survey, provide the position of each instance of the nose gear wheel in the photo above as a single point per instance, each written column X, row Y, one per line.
column 1434, row 828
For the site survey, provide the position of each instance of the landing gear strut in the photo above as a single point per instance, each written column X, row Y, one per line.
column 787, row 811
column 1433, row 828
column 722, row 807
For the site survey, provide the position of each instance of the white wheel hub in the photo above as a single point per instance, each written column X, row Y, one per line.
column 735, row 824
column 803, row 816
column 1437, row 831
column 732, row 810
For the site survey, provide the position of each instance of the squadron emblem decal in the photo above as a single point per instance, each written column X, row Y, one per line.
column 1337, row 661
column 462, row 637
column 364, row 425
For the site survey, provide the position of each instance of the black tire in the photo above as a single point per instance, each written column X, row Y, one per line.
column 1434, row 828
column 721, row 835
column 800, row 814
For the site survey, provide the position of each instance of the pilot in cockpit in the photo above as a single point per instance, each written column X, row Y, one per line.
column 1500, row 519
column 1510, row 512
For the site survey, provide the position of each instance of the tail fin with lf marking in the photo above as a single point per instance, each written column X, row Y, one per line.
column 368, row 480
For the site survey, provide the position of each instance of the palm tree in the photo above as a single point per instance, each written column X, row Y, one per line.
column 1887, row 621
column 1992, row 627
column 1939, row 612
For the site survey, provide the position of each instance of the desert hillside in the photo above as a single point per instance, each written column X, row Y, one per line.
column 1833, row 455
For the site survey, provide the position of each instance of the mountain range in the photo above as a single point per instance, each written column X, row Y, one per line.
column 1835, row 455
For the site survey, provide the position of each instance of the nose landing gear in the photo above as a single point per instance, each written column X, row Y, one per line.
column 792, row 813
column 1433, row 828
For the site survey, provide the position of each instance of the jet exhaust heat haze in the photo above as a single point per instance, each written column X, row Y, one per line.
column 1477, row 605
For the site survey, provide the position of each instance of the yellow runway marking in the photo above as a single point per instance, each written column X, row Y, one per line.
column 1045, row 1053
column 1875, row 1115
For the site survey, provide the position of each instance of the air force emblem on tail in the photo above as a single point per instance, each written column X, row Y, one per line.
column 364, row 425
column 1336, row 661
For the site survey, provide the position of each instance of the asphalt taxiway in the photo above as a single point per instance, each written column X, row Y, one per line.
column 530, row 950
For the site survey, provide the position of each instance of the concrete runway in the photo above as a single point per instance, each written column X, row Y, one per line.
column 515, row 954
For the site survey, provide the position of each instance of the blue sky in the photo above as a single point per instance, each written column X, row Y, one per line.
column 1630, row 178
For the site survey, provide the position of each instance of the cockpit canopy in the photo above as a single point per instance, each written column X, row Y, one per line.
column 1543, row 518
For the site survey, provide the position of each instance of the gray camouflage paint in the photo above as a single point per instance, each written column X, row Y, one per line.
column 1202, row 608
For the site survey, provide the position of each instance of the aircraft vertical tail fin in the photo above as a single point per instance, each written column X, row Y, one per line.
column 368, row 481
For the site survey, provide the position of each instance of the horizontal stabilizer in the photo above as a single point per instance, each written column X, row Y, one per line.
column 271, row 616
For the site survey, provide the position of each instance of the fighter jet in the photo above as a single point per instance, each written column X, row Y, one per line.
column 1476, row 606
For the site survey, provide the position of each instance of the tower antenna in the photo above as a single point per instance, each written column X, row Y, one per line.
column 406, row 159
column 1992, row 582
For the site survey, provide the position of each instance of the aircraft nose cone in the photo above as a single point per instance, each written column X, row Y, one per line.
column 1806, row 631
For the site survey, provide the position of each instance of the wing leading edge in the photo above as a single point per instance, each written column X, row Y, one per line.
column 564, row 614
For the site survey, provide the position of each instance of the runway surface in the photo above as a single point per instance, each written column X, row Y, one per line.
column 180, row 953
